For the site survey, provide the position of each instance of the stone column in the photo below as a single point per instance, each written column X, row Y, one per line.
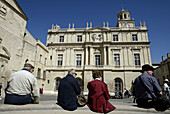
column 143, row 56
column 64, row 57
column 105, row 61
column 91, row 56
column 86, row 59
column 107, row 36
column 53, row 57
column 109, row 55
column 104, row 36
column 149, row 55
column 70, row 56
column 123, row 56
column 130, row 58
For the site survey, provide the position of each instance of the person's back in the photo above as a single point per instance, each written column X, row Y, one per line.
column 67, row 93
column 96, row 89
column 150, row 82
column 22, row 87
column 20, row 83
column 98, row 95
column 143, row 98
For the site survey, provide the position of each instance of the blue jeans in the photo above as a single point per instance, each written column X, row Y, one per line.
column 17, row 99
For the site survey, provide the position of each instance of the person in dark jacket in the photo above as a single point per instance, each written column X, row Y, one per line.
column 68, row 90
column 143, row 98
column 98, row 95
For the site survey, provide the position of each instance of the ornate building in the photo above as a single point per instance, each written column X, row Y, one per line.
column 118, row 52
column 162, row 72
column 17, row 45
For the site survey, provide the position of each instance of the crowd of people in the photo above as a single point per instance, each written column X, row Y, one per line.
column 22, row 88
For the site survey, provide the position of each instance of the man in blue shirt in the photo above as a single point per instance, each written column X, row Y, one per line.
column 143, row 98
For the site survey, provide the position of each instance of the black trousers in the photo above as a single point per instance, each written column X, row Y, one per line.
column 17, row 99
column 145, row 103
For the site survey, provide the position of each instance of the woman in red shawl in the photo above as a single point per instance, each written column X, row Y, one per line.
column 98, row 95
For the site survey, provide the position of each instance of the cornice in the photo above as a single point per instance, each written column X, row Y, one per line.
column 99, row 43
column 42, row 46
column 133, row 29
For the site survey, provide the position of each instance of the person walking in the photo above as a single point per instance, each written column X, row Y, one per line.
column 98, row 95
column 22, row 87
column 68, row 90
column 166, row 89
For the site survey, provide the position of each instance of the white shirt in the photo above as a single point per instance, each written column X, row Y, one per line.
column 166, row 87
column 22, row 83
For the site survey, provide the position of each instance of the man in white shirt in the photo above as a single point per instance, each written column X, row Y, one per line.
column 166, row 89
column 22, row 87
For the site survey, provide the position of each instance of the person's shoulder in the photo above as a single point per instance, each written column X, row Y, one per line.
column 152, row 77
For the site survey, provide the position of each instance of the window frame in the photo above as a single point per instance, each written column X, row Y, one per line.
column 79, row 38
column 60, row 60
column 116, row 59
column 61, row 39
column 115, row 38
column 78, row 59
column 134, row 37
column 137, row 59
column 39, row 73
column 97, row 60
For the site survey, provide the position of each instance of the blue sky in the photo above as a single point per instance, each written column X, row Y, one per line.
column 43, row 13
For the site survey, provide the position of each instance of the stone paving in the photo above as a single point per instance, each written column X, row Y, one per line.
column 48, row 105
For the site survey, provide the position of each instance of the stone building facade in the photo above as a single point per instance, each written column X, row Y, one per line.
column 162, row 72
column 117, row 52
column 17, row 45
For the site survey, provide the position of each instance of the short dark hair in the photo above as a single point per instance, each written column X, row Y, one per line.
column 97, row 74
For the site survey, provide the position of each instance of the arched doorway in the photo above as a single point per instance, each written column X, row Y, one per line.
column 118, row 85
column 57, row 83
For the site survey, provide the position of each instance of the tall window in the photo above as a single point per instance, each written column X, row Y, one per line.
column 44, row 75
column 137, row 59
column 57, row 83
column 120, row 16
column 115, row 38
column 134, row 37
column 51, row 57
column 97, row 60
column 61, row 38
column 39, row 73
column 125, row 16
column 40, row 58
column 118, row 85
column 78, row 60
column 79, row 38
column 45, row 62
column 60, row 59
column 117, row 59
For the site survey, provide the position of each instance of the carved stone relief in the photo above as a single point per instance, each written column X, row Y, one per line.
column 98, row 37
